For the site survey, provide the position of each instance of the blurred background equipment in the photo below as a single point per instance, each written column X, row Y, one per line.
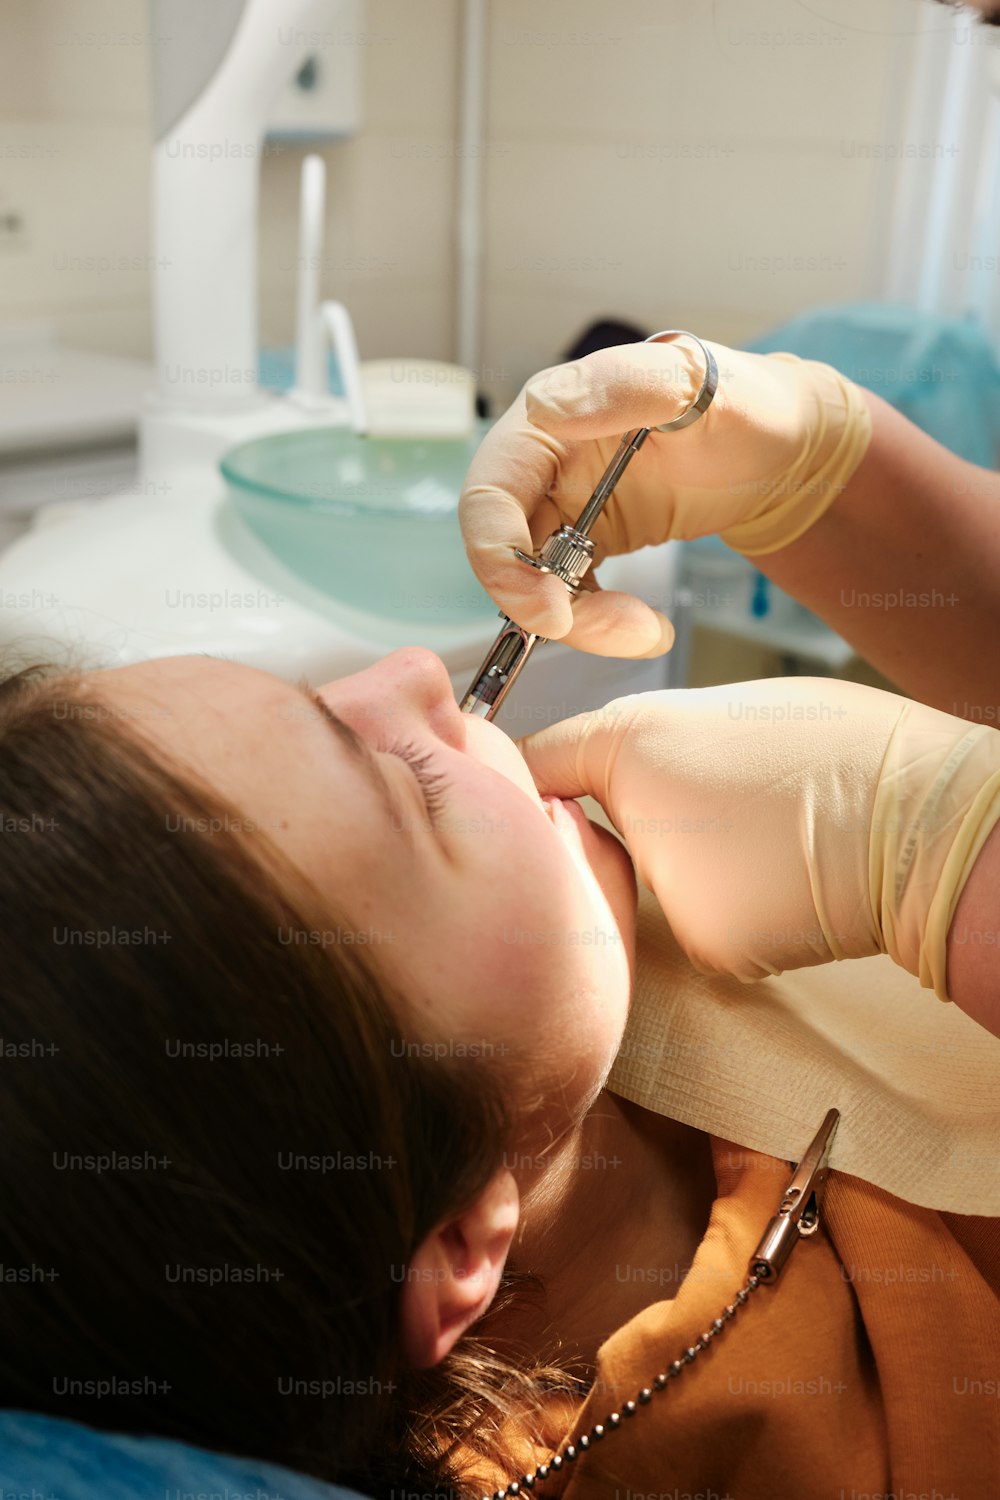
column 438, row 246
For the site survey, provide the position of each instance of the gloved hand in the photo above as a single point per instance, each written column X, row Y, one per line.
column 777, row 445
column 784, row 823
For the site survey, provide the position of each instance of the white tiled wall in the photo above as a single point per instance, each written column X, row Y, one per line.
column 680, row 164
column 74, row 95
column 658, row 160
column 390, row 239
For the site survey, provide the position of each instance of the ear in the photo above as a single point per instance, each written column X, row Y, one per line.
column 453, row 1275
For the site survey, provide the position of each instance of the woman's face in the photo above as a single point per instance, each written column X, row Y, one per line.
column 508, row 923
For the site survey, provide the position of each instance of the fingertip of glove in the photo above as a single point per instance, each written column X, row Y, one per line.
column 554, row 395
column 594, row 631
column 666, row 637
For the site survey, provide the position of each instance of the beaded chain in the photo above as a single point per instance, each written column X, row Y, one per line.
column 797, row 1217
column 613, row 1421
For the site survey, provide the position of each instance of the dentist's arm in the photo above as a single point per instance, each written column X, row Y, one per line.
column 974, row 940
column 905, row 564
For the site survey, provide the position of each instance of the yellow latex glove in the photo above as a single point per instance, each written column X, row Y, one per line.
column 789, row 822
column 777, row 445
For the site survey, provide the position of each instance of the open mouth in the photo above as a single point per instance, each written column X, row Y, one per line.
column 564, row 810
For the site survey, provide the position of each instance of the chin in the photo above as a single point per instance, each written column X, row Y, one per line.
column 607, row 863
column 614, row 870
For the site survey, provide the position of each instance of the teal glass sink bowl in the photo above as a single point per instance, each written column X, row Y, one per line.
column 370, row 521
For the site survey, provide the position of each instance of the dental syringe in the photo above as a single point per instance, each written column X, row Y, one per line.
column 569, row 552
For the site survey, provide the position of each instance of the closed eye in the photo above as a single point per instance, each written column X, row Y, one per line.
column 433, row 784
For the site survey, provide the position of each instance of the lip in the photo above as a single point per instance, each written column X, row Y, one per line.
column 566, row 810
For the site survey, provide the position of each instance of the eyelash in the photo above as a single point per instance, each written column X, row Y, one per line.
column 432, row 783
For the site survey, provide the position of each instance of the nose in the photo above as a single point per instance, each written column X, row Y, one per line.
column 407, row 693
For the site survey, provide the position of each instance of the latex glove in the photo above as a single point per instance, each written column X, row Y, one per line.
column 785, row 823
column 777, row 445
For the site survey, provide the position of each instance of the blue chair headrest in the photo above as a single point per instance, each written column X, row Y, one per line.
column 46, row 1458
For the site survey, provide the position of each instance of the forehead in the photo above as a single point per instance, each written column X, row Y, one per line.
column 183, row 684
column 199, row 704
column 170, row 672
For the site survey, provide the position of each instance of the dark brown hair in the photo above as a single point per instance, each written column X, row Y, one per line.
column 164, row 1051
column 987, row 18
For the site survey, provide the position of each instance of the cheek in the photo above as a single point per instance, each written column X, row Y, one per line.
column 488, row 745
column 540, row 905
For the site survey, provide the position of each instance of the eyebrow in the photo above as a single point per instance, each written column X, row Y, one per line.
column 360, row 753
